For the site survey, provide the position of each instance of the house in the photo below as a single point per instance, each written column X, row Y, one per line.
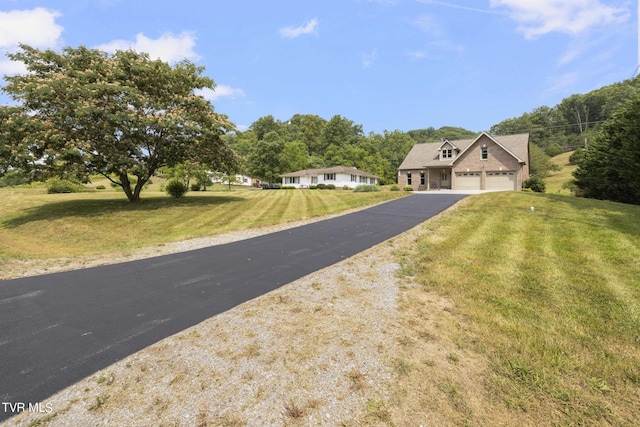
column 484, row 163
column 237, row 179
column 340, row 176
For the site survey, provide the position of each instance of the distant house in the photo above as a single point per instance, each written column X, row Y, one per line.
column 484, row 163
column 244, row 180
column 340, row 176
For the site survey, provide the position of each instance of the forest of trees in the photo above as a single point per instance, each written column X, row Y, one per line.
column 271, row 147
column 574, row 121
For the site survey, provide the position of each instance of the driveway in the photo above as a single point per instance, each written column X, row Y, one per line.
column 59, row 328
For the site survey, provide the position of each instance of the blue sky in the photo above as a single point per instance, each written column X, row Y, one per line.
column 385, row 64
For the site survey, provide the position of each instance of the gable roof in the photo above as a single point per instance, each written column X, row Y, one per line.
column 335, row 169
column 428, row 154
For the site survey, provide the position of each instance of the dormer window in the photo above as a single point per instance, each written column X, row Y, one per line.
column 446, row 154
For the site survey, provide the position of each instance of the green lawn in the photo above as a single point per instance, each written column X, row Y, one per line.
column 558, row 179
column 552, row 300
column 34, row 224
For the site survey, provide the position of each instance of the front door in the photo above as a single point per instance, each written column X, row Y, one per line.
column 445, row 179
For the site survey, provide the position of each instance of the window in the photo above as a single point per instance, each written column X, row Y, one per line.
column 485, row 153
column 354, row 178
column 314, row 179
column 421, row 178
column 408, row 178
column 446, row 154
column 292, row 180
column 329, row 176
column 363, row 179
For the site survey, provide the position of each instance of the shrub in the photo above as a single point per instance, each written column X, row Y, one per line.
column 313, row 187
column 346, row 187
column 366, row 188
column 195, row 186
column 57, row 185
column 577, row 155
column 100, row 187
column 408, row 188
column 321, row 186
column 554, row 149
column 535, row 183
column 13, row 178
column 176, row 188
column 394, row 188
column 288, row 187
column 331, row 187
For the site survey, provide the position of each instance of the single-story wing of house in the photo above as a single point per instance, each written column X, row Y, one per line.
column 483, row 163
column 340, row 176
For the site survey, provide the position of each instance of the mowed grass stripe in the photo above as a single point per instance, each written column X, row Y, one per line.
column 36, row 225
column 552, row 299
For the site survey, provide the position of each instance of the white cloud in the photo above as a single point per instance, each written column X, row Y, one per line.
column 309, row 27
column 35, row 27
column 456, row 6
column 369, row 58
column 168, row 47
column 539, row 17
column 435, row 50
column 220, row 91
column 428, row 24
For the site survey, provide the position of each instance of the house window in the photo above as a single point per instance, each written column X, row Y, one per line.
column 421, row 178
column 354, row 178
column 329, row 176
column 363, row 179
column 314, row 179
column 292, row 180
column 485, row 153
column 408, row 178
column 447, row 154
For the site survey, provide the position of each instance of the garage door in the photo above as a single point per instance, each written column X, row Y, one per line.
column 468, row 181
column 501, row 181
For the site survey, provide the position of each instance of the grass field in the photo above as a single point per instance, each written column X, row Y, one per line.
column 549, row 300
column 538, row 319
column 558, row 179
column 34, row 224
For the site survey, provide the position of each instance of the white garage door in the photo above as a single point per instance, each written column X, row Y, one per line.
column 501, row 181
column 468, row 181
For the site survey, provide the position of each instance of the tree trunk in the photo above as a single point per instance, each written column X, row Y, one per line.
column 138, row 189
column 126, row 187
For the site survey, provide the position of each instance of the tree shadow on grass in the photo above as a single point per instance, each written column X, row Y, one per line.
column 105, row 207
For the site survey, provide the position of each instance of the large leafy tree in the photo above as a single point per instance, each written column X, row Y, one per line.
column 264, row 160
column 117, row 115
column 609, row 167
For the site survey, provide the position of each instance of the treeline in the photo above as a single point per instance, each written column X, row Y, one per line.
column 272, row 147
column 573, row 122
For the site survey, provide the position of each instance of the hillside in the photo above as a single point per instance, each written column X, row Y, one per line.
column 557, row 180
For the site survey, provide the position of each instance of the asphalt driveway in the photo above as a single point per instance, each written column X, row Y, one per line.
column 59, row 328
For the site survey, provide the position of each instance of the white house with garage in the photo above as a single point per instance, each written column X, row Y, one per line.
column 340, row 176
column 494, row 163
